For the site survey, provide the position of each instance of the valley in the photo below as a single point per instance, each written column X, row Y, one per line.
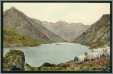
column 35, row 45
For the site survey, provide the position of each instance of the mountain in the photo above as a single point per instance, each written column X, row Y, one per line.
column 23, row 25
column 98, row 34
column 68, row 31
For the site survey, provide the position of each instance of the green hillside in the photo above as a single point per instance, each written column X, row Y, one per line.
column 98, row 35
column 12, row 38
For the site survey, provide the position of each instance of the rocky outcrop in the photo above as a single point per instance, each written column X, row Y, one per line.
column 14, row 60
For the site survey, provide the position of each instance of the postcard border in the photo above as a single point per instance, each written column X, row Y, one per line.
column 2, row 2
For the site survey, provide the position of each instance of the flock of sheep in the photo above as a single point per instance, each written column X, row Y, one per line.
column 94, row 54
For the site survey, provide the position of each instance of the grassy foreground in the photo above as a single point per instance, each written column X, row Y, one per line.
column 15, row 60
column 102, row 64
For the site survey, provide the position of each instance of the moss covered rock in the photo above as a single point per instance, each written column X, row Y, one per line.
column 14, row 60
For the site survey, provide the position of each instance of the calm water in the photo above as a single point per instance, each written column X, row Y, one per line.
column 53, row 53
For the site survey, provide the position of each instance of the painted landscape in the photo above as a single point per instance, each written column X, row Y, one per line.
column 32, row 44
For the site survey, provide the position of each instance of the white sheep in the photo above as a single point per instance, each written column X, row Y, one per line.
column 96, row 53
column 81, row 58
column 93, row 55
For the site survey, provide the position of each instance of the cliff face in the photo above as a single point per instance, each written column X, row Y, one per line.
column 14, row 60
column 97, row 35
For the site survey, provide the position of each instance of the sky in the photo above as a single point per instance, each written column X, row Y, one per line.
column 86, row 13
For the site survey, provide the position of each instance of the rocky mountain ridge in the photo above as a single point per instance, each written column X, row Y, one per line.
column 25, row 26
column 68, row 31
column 97, row 35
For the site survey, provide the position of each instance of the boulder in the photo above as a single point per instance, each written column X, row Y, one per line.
column 14, row 60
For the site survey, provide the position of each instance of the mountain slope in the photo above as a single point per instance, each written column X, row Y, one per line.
column 67, row 31
column 27, row 26
column 13, row 39
column 98, row 34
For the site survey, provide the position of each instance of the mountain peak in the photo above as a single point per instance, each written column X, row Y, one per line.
column 61, row 22
column 27, row 26
column 13, row 9
column 106, row 15
column 98, row 35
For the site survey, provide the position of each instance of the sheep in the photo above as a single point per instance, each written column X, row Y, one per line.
column 81, row 58
column 102, row 52
column 93, row 55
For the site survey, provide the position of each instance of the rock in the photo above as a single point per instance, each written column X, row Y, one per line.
column 46, row 64
column 28, row 67
column 14, row 60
